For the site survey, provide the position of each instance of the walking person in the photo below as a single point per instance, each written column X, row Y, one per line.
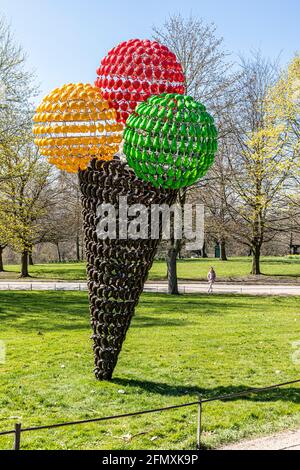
column 211, row 277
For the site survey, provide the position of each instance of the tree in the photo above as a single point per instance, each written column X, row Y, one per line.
column 72, row 198
column 260, row 160
column 284, row 100
column 3, row 237
column 215, row 193
column 64, row 222
column 16, row 90
column 208, row 80
column 22, row 197
column 2, row 248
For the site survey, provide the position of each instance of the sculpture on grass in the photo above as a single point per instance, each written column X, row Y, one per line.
column 169, row 142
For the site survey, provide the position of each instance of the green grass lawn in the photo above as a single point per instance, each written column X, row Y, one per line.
column 194, row 269
column 176, row 349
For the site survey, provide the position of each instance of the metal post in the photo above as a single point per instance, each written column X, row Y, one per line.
column 199, row 425
column 17, row 436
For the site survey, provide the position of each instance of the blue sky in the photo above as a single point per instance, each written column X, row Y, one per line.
column 66, row 39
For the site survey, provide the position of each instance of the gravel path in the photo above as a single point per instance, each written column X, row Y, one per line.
column 288, row 440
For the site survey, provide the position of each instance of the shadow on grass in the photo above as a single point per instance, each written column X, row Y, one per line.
column 291, row 394
column 50, row 311
column 47, row 311
column 142, row 321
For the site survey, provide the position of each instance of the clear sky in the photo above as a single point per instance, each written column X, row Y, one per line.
column 66, row 39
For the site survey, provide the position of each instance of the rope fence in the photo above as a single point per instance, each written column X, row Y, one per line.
column 18, row 430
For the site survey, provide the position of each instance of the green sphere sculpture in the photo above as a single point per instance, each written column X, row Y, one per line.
column 170, row 141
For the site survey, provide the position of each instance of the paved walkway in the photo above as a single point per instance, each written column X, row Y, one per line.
column 288, row 440
column 161, row 286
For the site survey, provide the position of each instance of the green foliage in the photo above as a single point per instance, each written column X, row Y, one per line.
column 284, row 98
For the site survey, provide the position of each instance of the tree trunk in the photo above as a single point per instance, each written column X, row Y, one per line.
column 256, row 260
column 58, row 252
column 1, row 259
column 24, row 264
column 223, row 255
column 77, row 248
column 172, row 255
column 172, row 270
column 173, row 252
column 204, row 254
column 30, row 259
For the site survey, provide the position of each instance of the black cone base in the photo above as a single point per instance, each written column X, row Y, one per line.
column 117, row 269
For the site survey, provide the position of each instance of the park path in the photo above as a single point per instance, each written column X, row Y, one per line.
column 288, row 440
column 161, row 287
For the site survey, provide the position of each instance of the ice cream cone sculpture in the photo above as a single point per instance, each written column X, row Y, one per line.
column 117, row 268
column 169, row 142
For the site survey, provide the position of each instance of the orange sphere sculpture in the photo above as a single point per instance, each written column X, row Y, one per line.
column 74, row 124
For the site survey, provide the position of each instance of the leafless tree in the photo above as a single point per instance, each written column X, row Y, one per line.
column 17, row 86
column 22, row 198
column 208, row 80
column 63, row 223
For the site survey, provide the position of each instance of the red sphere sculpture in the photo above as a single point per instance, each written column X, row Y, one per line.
column 135, row 70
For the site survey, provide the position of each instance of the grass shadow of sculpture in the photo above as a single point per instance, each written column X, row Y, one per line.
column 291, row 394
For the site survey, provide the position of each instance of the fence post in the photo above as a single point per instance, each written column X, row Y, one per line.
column 199, row 426
column 17, row 441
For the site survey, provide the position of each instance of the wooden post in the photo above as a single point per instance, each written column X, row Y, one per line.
column 17, row 436
column 199, row 425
